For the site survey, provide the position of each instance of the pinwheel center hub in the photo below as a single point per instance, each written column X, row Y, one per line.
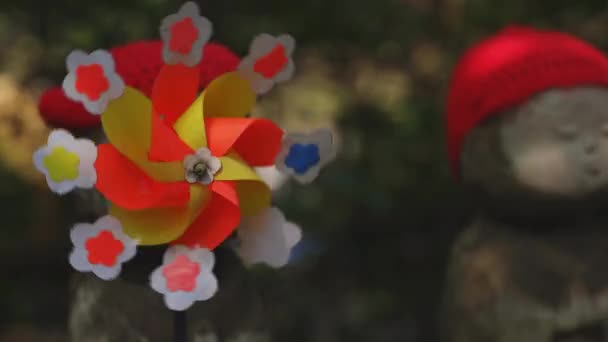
column 199, row 170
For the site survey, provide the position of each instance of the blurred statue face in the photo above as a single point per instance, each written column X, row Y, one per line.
column 555, row 145
column 558, row 142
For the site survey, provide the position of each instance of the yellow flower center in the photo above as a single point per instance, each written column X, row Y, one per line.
column 62, row 164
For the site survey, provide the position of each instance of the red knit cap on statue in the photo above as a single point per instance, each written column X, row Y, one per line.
column 138, row 64
column 504, row 71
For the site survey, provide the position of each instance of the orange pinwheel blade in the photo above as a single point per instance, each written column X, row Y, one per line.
column 257, row 141
column 165, row 145
column 124, row 184
column 175, row 88
column 217, row 221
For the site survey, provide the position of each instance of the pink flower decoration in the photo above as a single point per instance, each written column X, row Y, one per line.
column 181, row 274
column 269, row 61
column 185, row 277
column 184, row 34
column 92, row 80
column 101, row 247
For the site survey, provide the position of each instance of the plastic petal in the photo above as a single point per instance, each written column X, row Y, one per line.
column 127, row 123
column 257, row 141
column 217, row 221
column 161, row 225
column 229, row 95
column 125, row 185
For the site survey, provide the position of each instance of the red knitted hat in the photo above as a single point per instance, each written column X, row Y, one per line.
column 506, row 70
column 138, row 64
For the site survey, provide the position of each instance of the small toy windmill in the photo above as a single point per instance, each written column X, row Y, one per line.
column 179, row 166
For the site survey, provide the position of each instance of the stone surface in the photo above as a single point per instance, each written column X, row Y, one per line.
column 531, row 266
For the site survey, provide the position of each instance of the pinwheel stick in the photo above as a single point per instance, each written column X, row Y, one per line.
column 180, row 326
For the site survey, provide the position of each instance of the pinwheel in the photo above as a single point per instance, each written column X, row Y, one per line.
column 179, row 167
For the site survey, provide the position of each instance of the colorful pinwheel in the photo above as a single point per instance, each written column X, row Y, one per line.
column 179, row 167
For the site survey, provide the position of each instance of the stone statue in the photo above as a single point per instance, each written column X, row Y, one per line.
column 527, row 119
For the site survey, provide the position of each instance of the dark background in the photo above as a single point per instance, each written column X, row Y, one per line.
column 378, row 222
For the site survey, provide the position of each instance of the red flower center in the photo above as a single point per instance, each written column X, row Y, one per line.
column 91, row 81
column 104, row 249
column 273, row 63
column 183, row 36
column 181, row 274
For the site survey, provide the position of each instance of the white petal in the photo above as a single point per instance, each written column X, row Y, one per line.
column 79, row 260
column 158, row 281
column 76, row 58
column 261, row 85
column 288, row 42
column 61, row 188
column 246, row 66
column 293, row 234
column 263, row 239
column 214, row 165
column 129, row 252
column 173, row 252
column 180, row 301
column 189, row 161
column 107, row 273
column 117, row 86
column 206, row 286
column 309, row 176
column 38, row 159
column 191, row 178
column 287, row 73
column 69, row 87
column 325, row 141
column 103, row 58
column 204, row 154
column 261, row 45
column 96, row 107
column 107, row 222
column 204, row 257
column 274, row 178
column 81, row 232
column 60, row 137
column 189, row 9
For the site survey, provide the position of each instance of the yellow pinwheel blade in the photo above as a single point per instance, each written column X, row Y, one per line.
column 127, row 123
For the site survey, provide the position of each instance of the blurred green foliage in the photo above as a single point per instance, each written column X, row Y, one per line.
column 380, row 219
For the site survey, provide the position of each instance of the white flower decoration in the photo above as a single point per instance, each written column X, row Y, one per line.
column 101, row 247
column 92, row 80
column 67, row 162
column 269, row 61
column 185, row 277
column 274, row 178
column 303, row 155
column 184, row 34
column 267, row 238
column 201, row 166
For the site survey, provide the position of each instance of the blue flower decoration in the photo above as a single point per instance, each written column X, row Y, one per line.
column 302, row 157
